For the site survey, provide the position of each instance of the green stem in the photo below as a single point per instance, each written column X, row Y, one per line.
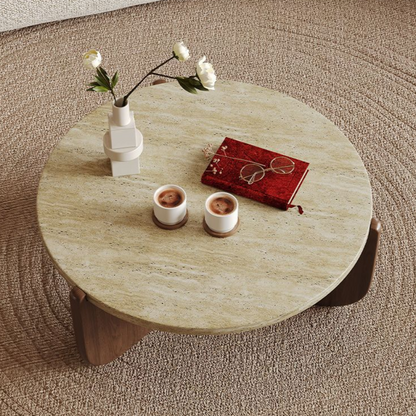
column 114, row 96
column 162, row 75
column 149, row 73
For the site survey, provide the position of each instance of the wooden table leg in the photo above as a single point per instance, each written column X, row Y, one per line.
column 355, row 286
column 159, row 81
column 100, row 337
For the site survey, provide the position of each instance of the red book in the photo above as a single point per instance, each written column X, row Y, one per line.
column 277, row 190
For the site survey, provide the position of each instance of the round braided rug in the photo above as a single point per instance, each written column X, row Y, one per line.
column 353, row 61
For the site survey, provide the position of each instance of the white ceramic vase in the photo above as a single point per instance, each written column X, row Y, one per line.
column 121, row 114
column 123, row 143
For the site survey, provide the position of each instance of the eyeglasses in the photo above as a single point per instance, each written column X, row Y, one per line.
column 253, row 172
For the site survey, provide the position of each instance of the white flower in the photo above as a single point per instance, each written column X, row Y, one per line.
column 206, row 74
column 180, row 51
column 92, row 59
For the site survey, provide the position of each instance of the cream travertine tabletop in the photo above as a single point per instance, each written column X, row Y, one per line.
column 100, row 234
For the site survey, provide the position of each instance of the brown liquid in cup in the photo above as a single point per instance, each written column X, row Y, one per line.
column 170, row 198
column 221, row 205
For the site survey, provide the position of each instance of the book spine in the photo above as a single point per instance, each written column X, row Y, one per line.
column 245, row 192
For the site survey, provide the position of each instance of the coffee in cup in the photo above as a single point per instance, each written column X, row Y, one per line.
column 170, row 198
column 222, row 205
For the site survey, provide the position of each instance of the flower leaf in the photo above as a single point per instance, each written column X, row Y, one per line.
column 90, row 89
column 184, row 83
column 104, row 72
column 101, row 89
column 94, row 84
column 196, row 83
column 99, row 82
column 114, row 80
column 103, row 77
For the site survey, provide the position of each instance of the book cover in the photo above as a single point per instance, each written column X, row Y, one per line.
column 275, row 189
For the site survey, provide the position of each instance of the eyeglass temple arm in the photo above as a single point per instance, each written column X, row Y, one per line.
column 243, row 160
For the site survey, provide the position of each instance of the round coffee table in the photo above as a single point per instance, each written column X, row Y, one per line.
column 100, row 234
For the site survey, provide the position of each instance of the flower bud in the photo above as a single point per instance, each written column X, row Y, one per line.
column 180, row 51
column 92, row 59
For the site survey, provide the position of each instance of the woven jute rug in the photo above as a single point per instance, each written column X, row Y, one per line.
column 354, row 61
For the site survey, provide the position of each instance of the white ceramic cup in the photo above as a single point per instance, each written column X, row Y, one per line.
column 169, row 216
column 221, row 223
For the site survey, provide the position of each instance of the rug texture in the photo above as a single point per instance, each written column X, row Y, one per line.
column 352, row 60
column 16, row 14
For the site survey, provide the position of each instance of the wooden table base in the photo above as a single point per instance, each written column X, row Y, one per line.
column 357, row 283
column 101, row 337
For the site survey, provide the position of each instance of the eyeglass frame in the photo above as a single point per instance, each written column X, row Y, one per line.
column 263, row 169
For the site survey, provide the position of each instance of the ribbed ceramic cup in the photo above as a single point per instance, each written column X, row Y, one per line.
column 169, row 216
column 221, row 223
